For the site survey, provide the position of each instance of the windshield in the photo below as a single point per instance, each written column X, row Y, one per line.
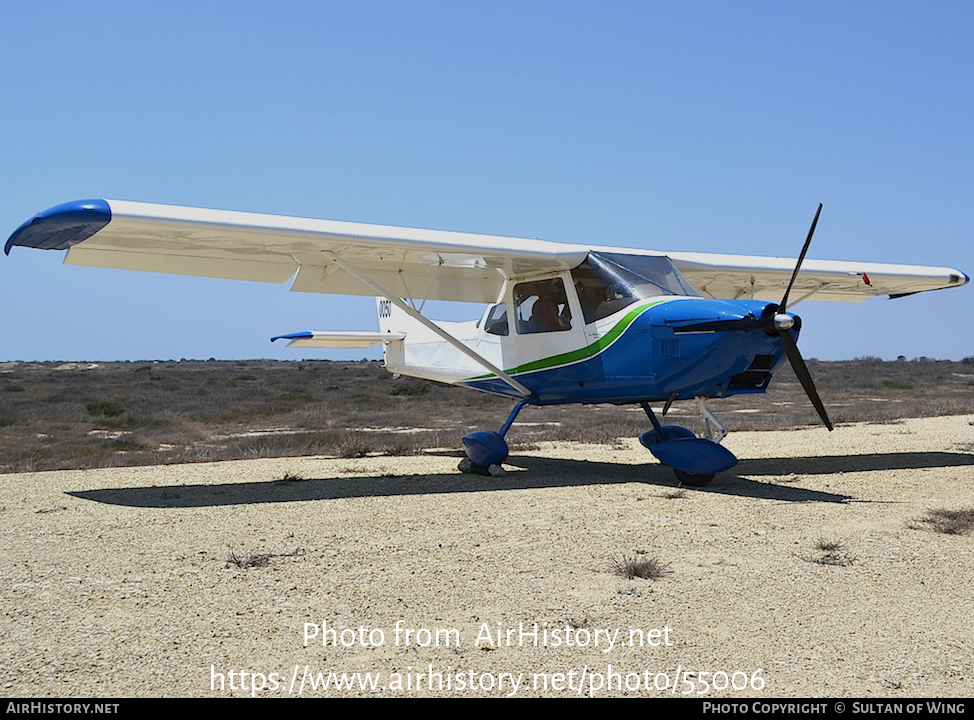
column 608, row 282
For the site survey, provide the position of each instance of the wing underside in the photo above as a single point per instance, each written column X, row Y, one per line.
column 413, row 263
column 421, row 264
column 738, row 276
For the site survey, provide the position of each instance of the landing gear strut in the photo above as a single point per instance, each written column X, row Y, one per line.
column 695, row 461
column 715, row 428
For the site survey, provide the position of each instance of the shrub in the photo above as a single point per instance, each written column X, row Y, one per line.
column 949, row 522
column 833, row 552
column 108, row 409
column 638, row 566
column 410, row 389
column 897, row 385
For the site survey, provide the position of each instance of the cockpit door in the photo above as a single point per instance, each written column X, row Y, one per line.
column 545, row 321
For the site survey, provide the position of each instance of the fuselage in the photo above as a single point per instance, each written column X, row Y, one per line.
column 636, row 357
column 595, row 354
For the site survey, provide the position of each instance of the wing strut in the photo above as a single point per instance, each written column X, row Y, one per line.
column 398, row 302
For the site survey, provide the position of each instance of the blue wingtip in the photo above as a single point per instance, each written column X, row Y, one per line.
column 61, row 227
column 294, row 336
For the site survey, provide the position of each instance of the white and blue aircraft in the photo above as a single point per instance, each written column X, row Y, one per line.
column 564, row 323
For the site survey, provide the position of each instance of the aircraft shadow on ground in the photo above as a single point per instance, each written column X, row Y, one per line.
column 530, row 473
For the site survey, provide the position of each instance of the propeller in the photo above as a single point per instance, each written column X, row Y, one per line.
column 783, row 306
column 774, row 318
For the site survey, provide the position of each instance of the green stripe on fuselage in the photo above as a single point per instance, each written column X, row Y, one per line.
column 584, row 353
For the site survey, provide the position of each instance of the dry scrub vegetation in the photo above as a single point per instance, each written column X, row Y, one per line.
column 830, row 552
column 81, row 415
column 946, row 522
column 639, row 566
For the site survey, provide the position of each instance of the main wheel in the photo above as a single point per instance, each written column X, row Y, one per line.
column 692, row 479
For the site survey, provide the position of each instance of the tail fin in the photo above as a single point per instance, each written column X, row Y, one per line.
column 394, row 321
column 392, row 318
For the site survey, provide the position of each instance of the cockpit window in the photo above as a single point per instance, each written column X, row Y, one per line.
column 542, row 306
column 496, row 323
column 608, row 282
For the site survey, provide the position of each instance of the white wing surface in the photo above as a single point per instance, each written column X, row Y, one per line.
column 765, row 278
column 248, row 246
column 408, row 262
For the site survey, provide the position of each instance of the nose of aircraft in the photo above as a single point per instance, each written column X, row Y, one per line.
column 771, row 318
column 771, row 321
column 698, row 316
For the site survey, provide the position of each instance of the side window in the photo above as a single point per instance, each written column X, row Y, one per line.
column 496, row 323
column 541, row 306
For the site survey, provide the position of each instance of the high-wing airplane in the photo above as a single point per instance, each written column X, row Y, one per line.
column 564, row 323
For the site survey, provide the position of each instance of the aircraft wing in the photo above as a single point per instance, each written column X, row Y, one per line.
column 765, row 278
column 413, row 263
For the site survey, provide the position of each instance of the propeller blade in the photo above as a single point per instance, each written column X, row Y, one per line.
column 783, row 305
column 801, row 370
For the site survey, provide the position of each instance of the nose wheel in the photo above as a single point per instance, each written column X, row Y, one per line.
column 695, row 461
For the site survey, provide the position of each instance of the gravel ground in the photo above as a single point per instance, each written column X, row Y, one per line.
column 801, row 572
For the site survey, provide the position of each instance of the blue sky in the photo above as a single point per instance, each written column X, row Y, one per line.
column 708, row 126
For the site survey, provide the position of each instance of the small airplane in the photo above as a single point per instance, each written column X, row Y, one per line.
column 563, row 323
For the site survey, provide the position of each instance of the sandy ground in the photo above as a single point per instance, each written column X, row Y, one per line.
column 116, row 582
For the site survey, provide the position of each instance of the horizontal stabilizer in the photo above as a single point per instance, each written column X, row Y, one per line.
column 324, row 339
